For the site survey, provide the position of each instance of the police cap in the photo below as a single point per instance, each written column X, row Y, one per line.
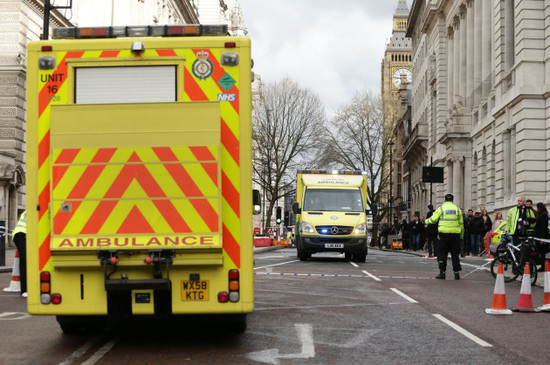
column 449, row 197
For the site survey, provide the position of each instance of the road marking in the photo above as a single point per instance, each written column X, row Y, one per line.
column 279, row 264
column 313, row 275
column 101, row 352
column 78, row 353
column 279, row 308
column 12, row 316
column 272, row 356
column 403, row 295
column 464, row 332
column 353, row 264
column 370, row 275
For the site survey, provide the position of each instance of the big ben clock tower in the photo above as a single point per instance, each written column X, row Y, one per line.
column 397, row 58
column 396, row 67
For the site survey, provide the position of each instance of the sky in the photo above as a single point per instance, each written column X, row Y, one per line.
column 334, row 48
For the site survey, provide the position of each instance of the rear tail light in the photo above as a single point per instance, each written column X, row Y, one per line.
column 234, row 286
column 56, row 298
column 46, row 297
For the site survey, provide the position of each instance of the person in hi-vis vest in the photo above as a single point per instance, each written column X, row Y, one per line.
column 450, row 227
column 19, row 236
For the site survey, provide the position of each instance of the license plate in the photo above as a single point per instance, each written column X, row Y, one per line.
column 334, row 245
column 194, row 290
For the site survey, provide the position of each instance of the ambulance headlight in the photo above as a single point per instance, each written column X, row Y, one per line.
column 361, row 228
column 307, row 228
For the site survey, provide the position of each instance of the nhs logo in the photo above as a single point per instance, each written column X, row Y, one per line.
column 227, row 97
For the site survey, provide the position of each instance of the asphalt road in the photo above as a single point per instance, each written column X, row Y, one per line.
column 389, row 310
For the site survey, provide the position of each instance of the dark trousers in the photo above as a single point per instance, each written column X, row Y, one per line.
column 431, row 241
column 449, row 242
column 20, row 241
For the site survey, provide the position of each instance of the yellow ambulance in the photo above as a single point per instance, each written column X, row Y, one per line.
column 331, row 213
column 139, row 174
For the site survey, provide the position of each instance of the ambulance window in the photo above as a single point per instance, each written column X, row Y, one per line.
column 132, row 84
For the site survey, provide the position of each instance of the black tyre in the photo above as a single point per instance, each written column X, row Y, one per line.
column 303, row 256
column 534, row 271
column 360, row 255
column 511, row 270
column 348, row 256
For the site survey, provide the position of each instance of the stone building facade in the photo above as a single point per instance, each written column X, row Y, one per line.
column 481, row 100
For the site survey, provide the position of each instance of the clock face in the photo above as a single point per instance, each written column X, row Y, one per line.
column 397, row 76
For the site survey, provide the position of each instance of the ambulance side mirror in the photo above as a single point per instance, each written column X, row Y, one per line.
column 256, row 202
column 296, row 208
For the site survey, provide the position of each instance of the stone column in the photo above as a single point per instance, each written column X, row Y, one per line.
column 467, row 183
column 450, row 68
column 463, row 54
column 457, row 181
column 469, row 54
column 456, row 61
column 478, row 36
column 486, row 46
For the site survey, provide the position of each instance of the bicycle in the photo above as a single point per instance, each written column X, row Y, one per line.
column 513, row 257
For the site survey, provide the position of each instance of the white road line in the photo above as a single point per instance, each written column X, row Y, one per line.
column 279, row 264
column 78, row 353
column 464, row 332
column 353, row 264
column 101, row 352
column 403, row 295
column 370, row 275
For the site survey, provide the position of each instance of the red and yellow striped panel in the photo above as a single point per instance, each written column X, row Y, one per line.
column 101, row 187
column 53, row 90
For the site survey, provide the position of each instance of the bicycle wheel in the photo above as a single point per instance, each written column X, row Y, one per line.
column 534, row 271
column 510, row 269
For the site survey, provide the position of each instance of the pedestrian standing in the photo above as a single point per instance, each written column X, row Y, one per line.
column 541, row 231
column 416, row 233
column 431, row 233
column 405, row 235
column 19, row 235
column 487, row 228
column 465, row 250
column 497, row 221
column 451, row 231
column 475, row 226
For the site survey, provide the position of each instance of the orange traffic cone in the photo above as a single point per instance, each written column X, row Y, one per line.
column 499, row 296
column 525, row 302
column 545, row 307
column 15, row 284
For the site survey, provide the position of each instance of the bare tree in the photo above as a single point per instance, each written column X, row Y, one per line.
column 357, row 138
column 286, row 121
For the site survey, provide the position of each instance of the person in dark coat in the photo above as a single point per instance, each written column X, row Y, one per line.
column 416, row 233
column 405, row 235
column 475, row 226
column 431, row 233
column 541, row 231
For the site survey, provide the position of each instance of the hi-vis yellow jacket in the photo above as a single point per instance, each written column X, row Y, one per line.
column 450, row 219
column 21, row 226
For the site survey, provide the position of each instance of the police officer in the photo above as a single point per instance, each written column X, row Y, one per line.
column 451, row 231
column 19, row 236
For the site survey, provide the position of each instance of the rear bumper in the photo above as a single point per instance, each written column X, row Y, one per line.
column 313, row 244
